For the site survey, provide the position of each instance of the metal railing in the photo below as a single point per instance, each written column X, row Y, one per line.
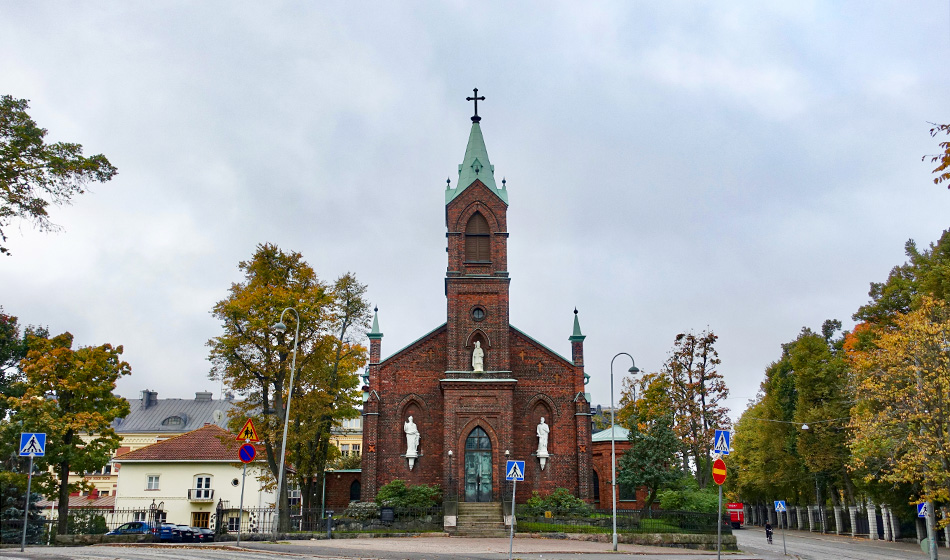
column 350, row 520
column 628, row 521
column 200, row 494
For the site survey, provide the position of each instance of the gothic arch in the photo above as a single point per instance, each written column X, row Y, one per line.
column 533, row 404
column 415, row 406
column 480, row 207
column 478, row 334
column 477, row 423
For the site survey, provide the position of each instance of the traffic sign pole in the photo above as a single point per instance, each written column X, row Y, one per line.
column 26, row 510
column 241, row 503
column 511, row 535
column 719, row 528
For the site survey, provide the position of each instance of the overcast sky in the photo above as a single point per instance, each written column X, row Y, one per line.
column 746, row 167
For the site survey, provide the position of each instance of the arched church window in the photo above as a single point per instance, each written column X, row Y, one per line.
column 355, row 491
column 477, row 239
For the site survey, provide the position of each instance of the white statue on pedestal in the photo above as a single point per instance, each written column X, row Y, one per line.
column 543, row 431
column 412, row 441
column 478, row 357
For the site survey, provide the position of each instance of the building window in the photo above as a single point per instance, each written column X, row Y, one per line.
column 293, row 495
column 355, row 448
column 138, row 516
column 345, row 450
column 151, row 482
column 173, row 421
column 102, row 493
column 202, row 487
column 477, row 239
column 233, row 524
column 200, row 518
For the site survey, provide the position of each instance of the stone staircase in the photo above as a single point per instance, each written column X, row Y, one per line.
column 484, row 519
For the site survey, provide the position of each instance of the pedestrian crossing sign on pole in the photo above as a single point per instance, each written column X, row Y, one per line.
column 721, row 442
column 922, row 509
column 780, row 506
column 514, row 470
column 33, row 445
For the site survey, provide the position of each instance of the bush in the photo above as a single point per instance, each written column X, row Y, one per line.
column 560, row 502
column 86, row 523
column 398, row 494
column 687, row 496
column 361, row 510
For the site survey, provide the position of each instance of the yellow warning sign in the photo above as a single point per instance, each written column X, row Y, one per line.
column 248, row 433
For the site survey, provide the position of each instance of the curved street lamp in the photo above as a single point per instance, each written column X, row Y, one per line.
column 282, row 328
column 613, row 435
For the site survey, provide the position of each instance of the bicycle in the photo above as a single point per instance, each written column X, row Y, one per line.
column 768, row 535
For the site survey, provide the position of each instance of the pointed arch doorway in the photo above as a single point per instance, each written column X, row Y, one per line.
column 478, row 467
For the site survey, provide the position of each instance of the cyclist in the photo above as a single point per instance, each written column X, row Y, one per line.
column 768, row 532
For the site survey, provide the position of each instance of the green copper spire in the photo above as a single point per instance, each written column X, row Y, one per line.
column 577, row 335
column 475, row 164
column 374, row 334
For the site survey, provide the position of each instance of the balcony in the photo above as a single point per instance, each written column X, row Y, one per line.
column 201, row 494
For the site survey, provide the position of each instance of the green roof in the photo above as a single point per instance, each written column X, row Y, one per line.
column 475, row 165
column 622, row 434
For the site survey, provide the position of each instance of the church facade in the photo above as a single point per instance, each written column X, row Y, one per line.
column 453, row 406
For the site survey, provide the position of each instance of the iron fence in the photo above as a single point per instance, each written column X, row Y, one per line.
column 628, row 521
column 366, row 518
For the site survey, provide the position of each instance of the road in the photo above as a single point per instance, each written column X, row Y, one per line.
column 814, row 546
column 801, row 545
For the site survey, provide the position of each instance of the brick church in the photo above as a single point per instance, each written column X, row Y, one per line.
column 451, row 407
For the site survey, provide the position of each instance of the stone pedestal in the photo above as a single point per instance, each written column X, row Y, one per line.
column 801, row 514
column 886, row 517
column 853, row 515
column 838, row 520
column 872, row 521
column 812, row 526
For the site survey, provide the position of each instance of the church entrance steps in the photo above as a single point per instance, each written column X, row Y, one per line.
column 484, row 519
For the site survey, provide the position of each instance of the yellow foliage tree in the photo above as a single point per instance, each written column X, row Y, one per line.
column 901, row 421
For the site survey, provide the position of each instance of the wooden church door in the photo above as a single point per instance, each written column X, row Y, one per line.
column 478, row 467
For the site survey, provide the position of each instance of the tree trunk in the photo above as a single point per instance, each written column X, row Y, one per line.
column 63, row 505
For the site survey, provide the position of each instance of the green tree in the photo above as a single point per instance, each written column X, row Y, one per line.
column 254, row 360
column 399, row 494
column 651, row 460
column 68, row 394
column 697, row 393
column 13, row 348
column 926, row 273
column 34, row 174
column 901, row 419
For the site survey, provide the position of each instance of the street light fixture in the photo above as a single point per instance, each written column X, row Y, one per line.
column 613, row 447
column 282, row 328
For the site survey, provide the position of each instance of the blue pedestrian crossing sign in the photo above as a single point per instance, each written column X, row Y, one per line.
column 780, row 506
column 514, row 470
column 922, row 509
column 721, row 442
column 32, row 445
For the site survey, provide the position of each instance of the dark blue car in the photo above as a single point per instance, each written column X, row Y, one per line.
column 164, row 532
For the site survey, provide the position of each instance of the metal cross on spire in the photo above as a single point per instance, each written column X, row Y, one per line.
column 476, row 99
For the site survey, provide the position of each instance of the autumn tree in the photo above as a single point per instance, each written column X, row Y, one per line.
column 697, row 391
column 68, row 394
column 254, row 360
column 901, row 419
column 942, row 171
column 35, row 174
column 651, row 462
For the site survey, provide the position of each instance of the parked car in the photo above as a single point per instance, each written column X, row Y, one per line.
column 168, row 532
column 132, row 528
column 164, row 532
column 203, row 534
column 186, row 532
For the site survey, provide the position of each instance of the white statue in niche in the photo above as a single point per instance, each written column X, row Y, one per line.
column 543, row 431
column 478, row 357
column 412, row 441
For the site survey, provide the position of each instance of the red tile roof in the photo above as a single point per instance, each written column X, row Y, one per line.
column 75, row 502
column 209, row 443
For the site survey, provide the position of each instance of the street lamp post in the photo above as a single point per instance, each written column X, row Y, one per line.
column 281, row 328
column 613, row 446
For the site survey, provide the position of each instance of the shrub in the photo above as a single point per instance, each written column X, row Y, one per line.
column 559, row 502
column 361, row 510
column 398, row 494
column 687, row 496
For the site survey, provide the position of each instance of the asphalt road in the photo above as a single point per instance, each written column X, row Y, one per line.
column 801, row 545
column 814, row 546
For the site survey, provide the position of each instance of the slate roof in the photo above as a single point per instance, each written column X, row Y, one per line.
column 147, row 414
column 208, row 443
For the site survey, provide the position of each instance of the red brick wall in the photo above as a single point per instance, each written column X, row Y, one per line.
column 601, row 464
column 338, row 489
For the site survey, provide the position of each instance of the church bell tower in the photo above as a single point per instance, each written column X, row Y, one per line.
column 476, row 279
